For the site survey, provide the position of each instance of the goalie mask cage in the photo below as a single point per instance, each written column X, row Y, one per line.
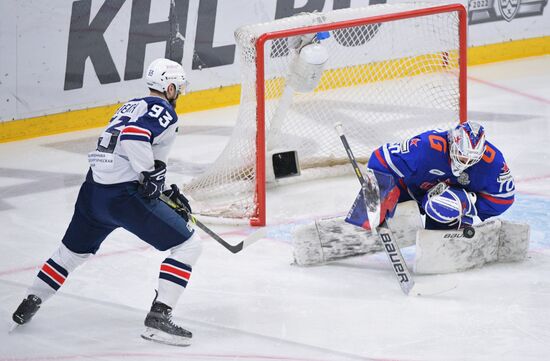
column 392, row 71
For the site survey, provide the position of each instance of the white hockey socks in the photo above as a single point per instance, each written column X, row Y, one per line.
column 175, row 270
column 55, row 271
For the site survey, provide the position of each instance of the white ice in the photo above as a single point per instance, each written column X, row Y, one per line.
column 255, row 305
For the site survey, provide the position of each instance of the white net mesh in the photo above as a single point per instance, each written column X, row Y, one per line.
column 384, row 81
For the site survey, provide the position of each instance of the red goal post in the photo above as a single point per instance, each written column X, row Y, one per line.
column 269, row 89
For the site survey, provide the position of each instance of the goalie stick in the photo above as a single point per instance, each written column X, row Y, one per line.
column 372, row 203
column 232, row 248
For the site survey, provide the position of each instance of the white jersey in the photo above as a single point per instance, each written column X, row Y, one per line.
column 140, row 132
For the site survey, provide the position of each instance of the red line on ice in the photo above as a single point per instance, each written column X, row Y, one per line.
column 510, row 90
column 101, row 255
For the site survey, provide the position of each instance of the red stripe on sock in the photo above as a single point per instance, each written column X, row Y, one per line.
column 53, row 273
column 175, row 271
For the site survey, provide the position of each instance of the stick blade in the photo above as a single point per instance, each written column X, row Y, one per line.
column 433, row 288
column 254, row 237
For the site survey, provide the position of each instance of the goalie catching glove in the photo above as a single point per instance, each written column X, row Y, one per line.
column 450, row 205
column 151, row 184
column 180, row 200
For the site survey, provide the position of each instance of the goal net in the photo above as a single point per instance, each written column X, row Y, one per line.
column 386, row 72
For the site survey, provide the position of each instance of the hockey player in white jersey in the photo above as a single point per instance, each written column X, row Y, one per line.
column 122, row 187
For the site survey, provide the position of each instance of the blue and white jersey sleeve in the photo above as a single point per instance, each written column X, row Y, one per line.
column 155, row 119
column 397, row 159
column 496, row 184
column 402, row 161
column 140, row 132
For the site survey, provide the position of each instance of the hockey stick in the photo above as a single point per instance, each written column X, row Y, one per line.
column 384, row 232
column 232, row 248
column 406, row 282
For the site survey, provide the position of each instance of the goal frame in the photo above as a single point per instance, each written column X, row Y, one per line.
column 259, row 218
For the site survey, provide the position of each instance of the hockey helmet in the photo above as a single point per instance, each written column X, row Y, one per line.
column 466, row 146
column 163, row 72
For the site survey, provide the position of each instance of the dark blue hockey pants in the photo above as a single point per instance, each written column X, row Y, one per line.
column 100, row 209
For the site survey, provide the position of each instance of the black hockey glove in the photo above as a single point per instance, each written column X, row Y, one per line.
column 152, row 183
column 183, row 203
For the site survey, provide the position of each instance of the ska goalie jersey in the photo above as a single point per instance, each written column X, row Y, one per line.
column 490, row 178
column 140, row 132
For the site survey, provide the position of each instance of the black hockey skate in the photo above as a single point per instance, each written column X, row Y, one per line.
column 160, row 328
column 26, row 309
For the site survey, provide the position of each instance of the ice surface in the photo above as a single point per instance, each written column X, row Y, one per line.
column 255, row 305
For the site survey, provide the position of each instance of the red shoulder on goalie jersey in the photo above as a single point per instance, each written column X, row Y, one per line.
column 473, row 177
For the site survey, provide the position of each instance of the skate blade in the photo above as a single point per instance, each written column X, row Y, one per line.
column 155, row 335
column 13, row 327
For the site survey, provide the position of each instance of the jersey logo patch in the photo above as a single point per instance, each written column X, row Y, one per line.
column 505, row 174
column 463, row 178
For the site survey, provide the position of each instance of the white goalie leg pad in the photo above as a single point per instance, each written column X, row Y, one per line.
column 333, row 239
column 513, row 241
column 449, row 251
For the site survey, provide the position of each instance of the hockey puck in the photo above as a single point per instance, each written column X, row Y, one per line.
column 469, row 232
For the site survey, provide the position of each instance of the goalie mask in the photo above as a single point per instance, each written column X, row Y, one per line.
column 163, row 72
column 466, row 146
